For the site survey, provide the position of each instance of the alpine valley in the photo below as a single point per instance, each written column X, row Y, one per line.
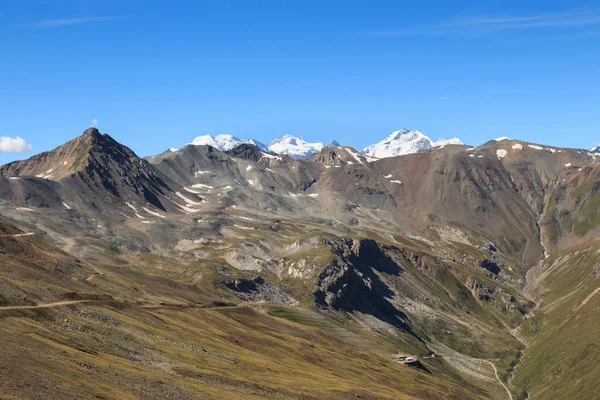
column 230, row 269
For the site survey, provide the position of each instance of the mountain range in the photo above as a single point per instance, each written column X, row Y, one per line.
column 230, row 269
column 398, row 143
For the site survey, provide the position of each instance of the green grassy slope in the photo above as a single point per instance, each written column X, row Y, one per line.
column 563, row 359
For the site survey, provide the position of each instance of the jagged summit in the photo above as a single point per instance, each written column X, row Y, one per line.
column 95, row 164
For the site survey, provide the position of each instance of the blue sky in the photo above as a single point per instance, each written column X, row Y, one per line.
column 155, row 74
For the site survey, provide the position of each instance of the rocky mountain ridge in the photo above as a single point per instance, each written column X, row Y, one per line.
column 421, row 253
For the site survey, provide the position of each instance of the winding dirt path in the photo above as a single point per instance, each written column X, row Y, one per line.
column 499, row 380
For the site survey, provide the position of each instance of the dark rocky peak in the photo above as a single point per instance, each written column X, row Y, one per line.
column 247, row 152
column 328, row 156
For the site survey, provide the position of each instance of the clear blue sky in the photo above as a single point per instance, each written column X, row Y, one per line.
column 156, row 74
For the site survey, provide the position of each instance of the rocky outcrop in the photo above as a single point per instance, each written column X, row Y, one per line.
column 258, row 289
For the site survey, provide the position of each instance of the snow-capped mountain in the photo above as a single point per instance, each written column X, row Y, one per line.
column 294, row 147
column 443, row 142
column 595, row 149
column 405, row 142
column 225, row 142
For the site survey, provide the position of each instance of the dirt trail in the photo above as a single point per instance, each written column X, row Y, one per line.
column 499, row 380
column 47, row 305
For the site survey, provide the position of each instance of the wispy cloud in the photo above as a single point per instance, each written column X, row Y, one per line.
column 17, row 144
column 50, row 23
column 94, row 123
column 494, row 23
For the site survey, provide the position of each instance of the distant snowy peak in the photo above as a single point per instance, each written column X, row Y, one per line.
column 443, row 142
column 595, row 149
column 294, row 147
column 405, row 141
column 225, row 142
column 169, row 150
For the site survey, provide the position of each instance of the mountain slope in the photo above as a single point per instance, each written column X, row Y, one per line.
column 94, row 165
column 561, row 361
column 338, row 261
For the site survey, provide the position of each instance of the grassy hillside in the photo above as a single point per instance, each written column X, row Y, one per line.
column 563, row 359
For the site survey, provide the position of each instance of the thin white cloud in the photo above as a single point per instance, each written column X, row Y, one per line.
column 493, row 23
column 94, row 123
column 17, row 144
column 50, row 23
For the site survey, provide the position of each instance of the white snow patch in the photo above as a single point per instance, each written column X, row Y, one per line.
column 243, row 227
column 501, row 153
column 349, row 162
column 201, row 186
column 131, row 206
column 125, row 215
column 327, row 166
column 13, row 178
column 313, row 195
column 153, row 213
column 533, row 146
column 567, row 165
column 517, row 146
column 271, row 156
column 66, row 206
column 387, row 176
column 251, row 182
column 501, row 138
column 145, row 222
column 471, row 149
column 249, row 167
column 65, row 163
column 202, row 172
column 188, row 201
column 24, row 209
column 472, row 155
column 398, row 182
column 355, row 155
column 190, row 190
